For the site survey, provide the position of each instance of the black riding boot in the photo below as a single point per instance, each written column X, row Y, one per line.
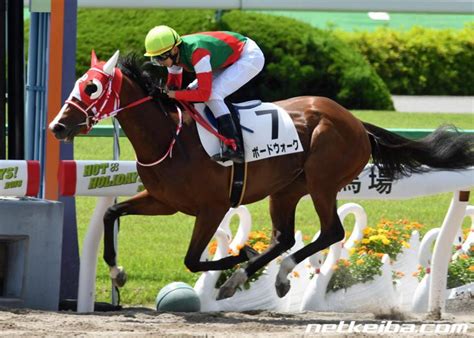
column 227, row 128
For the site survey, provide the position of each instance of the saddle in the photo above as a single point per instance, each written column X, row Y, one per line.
column 267, row 130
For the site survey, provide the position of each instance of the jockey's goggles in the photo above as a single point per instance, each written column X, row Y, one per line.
column 162, row 57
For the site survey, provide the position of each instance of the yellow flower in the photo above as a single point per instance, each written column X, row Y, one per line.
column 385, row 240
column 213, row 247
column 471, row 268
column 352, row 251
column 260, row 246
column 405, row 244
column 360, row 261
column 366, row 241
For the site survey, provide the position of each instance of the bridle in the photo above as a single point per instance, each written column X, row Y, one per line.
column 107, row 104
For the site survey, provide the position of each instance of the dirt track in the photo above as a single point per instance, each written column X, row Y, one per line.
column 144, row 321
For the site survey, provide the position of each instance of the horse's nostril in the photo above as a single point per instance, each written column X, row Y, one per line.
column 58, row 128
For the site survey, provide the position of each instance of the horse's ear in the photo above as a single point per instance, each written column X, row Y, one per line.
column 110, row 65
column 93, row 59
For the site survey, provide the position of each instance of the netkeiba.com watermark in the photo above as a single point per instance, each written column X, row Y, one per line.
column 387, row 327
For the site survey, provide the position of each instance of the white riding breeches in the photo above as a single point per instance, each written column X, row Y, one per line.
column 230, row 79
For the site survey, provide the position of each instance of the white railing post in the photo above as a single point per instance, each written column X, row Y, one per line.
column 90, row 248
column 443, row 252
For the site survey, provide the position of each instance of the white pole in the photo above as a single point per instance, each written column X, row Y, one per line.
column 87, row 271
column 442, row 252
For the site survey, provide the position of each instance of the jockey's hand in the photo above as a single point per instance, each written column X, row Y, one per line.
column 171, row 94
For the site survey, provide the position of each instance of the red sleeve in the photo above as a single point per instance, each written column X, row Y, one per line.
column 174, row 81
column 202, row 66
column 200, row 94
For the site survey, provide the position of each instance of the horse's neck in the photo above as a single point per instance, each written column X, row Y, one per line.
column 147, row 127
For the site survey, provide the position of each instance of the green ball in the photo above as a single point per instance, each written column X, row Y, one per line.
column 178, row 297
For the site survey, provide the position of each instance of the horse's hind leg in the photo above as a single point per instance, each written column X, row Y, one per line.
column 328, row 168
column 140, row 204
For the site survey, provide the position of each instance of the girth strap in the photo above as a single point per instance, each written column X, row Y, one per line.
column 239, row 170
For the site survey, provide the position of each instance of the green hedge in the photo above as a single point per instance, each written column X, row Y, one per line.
column 300, row 60
column 420, row 61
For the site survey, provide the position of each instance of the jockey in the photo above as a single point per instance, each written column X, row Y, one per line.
column 223, row 62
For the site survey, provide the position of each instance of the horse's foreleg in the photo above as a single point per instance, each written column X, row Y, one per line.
column 205, row 227
column 140, row 204
column 282, row 211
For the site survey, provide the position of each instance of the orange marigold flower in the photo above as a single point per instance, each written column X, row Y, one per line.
column 296, row 274
column 335, row 267
column 415, row 274
column 346, row 262
column 463, row 256
column 260, row 246
column 232, row 252
column 213, row 247
column 471, row 268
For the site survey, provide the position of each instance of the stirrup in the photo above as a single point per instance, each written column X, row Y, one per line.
column 226, row 154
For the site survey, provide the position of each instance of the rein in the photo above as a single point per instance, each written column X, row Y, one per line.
column 170, row 148
column 199, row 119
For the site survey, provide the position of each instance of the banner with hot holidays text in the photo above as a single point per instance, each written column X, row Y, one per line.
column 19, row 178
column 99, row 178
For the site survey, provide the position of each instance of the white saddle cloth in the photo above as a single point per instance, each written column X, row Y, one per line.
column 267, row 130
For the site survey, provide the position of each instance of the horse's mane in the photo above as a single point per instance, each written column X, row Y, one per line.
column 147, row 76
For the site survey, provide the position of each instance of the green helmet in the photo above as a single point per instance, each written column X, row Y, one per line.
column 161, row 39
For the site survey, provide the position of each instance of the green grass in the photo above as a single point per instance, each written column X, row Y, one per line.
column 152, row 249
column 393, row 119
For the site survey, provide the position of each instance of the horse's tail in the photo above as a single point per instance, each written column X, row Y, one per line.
column 446, row 148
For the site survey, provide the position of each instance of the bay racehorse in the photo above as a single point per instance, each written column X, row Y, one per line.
column 336, row 146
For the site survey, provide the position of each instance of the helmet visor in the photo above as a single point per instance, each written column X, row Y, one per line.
column 160, row 58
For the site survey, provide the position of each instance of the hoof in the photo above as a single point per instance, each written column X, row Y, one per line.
column 121, row 278
column 225, row 292
column 230, row 286
column 282, row 288
column 249, row 252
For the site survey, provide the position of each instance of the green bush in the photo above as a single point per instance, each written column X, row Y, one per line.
column 300, row 60
column 420, row 61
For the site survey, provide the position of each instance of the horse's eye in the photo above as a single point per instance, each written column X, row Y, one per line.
column 90, row 89
column 93, row 89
